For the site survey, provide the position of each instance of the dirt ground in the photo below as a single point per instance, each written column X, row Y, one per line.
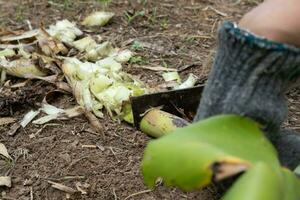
column 176, row 33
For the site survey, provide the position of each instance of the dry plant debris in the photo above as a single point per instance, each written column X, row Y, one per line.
column 98, row 18
column 62, row 187
column 7, row 120
column 93, row 71
column 4, row 179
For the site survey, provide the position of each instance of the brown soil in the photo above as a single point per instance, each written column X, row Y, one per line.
column 177, row 33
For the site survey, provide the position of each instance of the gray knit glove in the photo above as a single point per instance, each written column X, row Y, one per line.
column 288, row 147
column 249, row 78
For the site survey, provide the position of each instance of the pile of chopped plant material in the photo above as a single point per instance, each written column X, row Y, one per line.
column 77, row 63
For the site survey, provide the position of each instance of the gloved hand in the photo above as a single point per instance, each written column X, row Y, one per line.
column 249, row 77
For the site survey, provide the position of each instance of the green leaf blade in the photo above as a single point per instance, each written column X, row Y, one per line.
column 261, row 182
column 186, row 157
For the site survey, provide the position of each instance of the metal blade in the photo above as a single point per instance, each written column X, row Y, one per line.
column 174, row 101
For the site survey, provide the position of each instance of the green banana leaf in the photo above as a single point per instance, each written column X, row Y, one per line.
column 291, row 185
column 262, row 183
column 217, row 148
column 259, row 183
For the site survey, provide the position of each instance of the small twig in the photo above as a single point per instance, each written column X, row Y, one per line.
column 62, row 187
column 213, row 28
column 76, row 161
column 65, row 178
column 115, row 195
column 138, row 193
column 181, row 69
column 40, row 130
column 215, row 10
column 79, row 188
column 91, row 146
column 181, row 111
column 94, row 122
column 29, row 24
column 31, row 193
column 111, row 149
column 7, row 198
column 83, row 127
